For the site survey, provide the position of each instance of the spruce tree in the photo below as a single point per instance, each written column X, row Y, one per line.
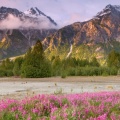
column 17, row 66
column 113, row 59
column 35, row 63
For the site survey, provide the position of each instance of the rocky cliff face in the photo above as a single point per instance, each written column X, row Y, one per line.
column 104, row 27
column 20, row 30
column 96, row 37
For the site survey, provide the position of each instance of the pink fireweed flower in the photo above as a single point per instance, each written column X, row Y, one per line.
column 75, row 106
column 74, row 114
column 113, row 117
column 24, row 112
column 65, row 115
column 102, row 117
column 54, row 109
column 13, row 109
column 35, row 110
column 16, row 116
column 53, row 118
column 29, row 118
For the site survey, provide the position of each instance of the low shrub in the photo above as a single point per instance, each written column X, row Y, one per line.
column 3, row 73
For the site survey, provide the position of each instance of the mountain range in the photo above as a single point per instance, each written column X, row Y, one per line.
column 20, row 30
column 95, row 37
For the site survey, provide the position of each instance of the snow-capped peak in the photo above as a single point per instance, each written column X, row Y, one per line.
column 108, row 9
column 34, row 12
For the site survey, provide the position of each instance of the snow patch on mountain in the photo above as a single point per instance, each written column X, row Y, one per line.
column 104, row 13
column 71, row 47
column 33, row 12
column 33, row 18
column 108, row 9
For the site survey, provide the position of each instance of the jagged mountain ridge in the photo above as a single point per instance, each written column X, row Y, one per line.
column 96, row 36
column 31, row 14
column 103, row 27
column 103, row 30
column 16, row 41
column 35, row 12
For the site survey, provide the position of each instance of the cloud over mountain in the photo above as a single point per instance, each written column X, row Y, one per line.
column 62, row 10
column 12, row 22
column 11, row 18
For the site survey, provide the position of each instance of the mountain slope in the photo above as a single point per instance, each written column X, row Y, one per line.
column 100, row 34
column 35, row 12
column 20, row 30
column 33, row 15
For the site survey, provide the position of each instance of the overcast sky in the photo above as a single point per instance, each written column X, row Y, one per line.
column 63, row 11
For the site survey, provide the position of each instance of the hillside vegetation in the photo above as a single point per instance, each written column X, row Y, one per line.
column 35, row 64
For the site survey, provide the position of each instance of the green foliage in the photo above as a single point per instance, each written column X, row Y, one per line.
column 17, row 66
column 9, row 73
column 16, row 69
column 35, row 65
column 113, row 59
column 63, row 74
column 6, row 68
column 7, row 64
column 71, row 71
column 87, row 71
column 56, row 66
column 38, row 49
column 56, row 62
column 29, row 71
column 91, row 71
column 3, row 73
column 94, row 62
column 58, row 92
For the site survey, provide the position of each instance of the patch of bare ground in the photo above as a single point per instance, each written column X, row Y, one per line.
column 67, row 79
column 18, row 88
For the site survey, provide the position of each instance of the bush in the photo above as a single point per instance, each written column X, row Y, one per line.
column 17, row 66
column 9, row 73
column 3, row 73
column 36, row 72
column 63, row 74
column 29, row 71
column 92, row 71
column 105, row 74
column 71, row 71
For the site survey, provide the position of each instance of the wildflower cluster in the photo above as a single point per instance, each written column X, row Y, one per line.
column 85, row 106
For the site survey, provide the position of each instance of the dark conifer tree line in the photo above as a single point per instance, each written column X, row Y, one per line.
column 35, row 65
